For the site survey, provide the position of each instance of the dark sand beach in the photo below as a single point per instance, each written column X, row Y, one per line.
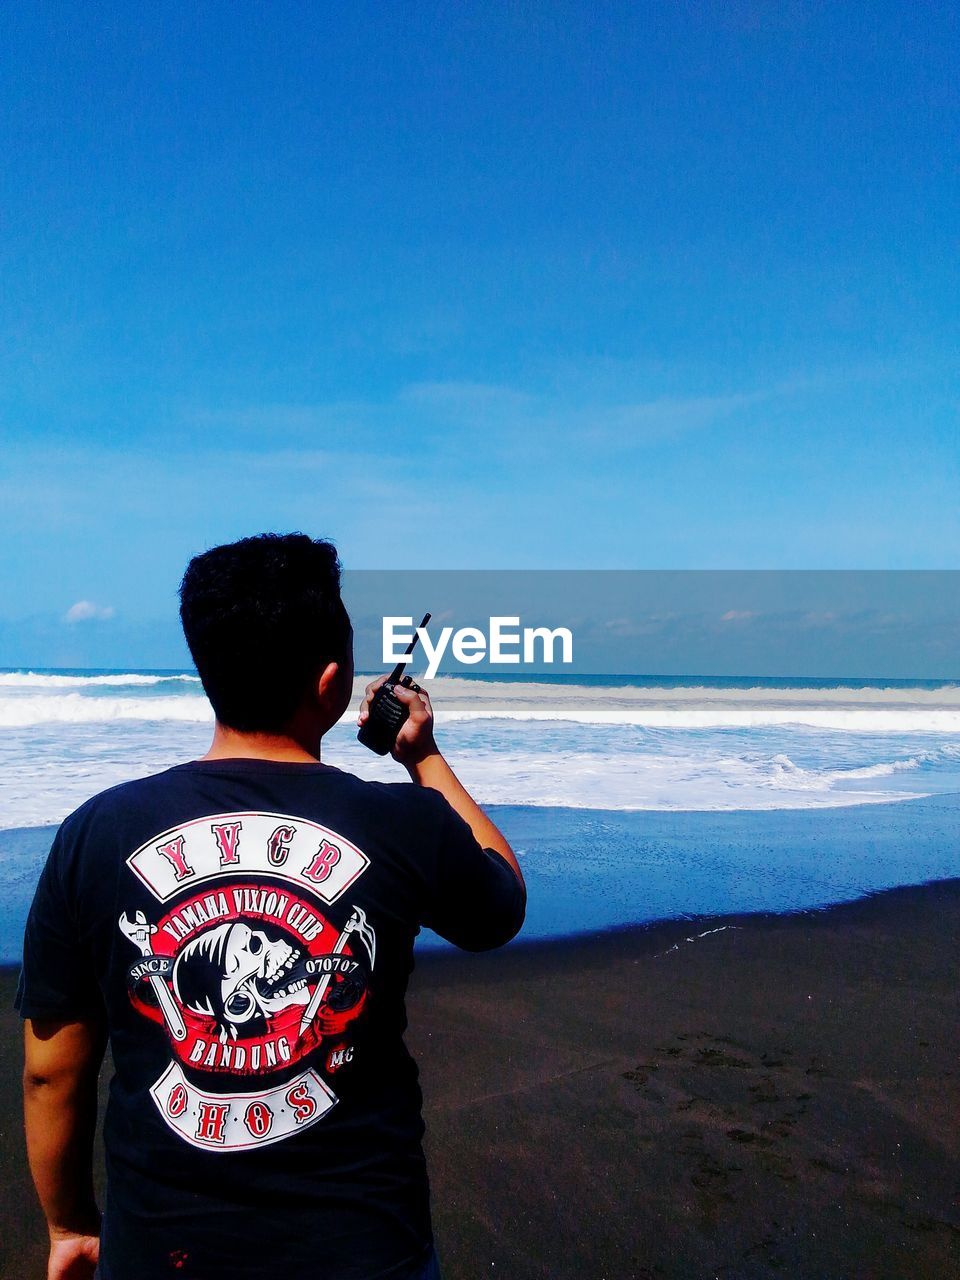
column 779, row 1097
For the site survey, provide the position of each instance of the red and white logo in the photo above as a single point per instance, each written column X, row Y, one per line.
column 246, row 973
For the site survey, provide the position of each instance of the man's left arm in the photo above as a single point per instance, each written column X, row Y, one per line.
column 61, row 1065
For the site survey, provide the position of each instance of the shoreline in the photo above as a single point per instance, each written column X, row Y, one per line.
column 894, row 898
column 436, row 959
column 589, row 871
column 777, row 1096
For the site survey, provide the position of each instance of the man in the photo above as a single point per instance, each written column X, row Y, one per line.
column 241, row 927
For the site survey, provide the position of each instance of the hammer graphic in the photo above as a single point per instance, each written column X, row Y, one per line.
column 138, row 930
column 356, row 924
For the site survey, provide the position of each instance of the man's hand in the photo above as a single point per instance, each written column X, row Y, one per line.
column 415, row 741
column 72, row 1257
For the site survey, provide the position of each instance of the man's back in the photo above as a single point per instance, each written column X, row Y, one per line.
column 247, row 928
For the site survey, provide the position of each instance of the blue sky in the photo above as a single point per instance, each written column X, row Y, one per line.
column 662, row 285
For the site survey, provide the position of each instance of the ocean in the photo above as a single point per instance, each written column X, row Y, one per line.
column 629, row 798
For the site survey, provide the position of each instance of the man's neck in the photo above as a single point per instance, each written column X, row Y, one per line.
column 231, row 744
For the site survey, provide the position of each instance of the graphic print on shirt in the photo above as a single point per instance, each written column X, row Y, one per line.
column 247, row 974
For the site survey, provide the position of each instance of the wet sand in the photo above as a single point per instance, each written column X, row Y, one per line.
column 777, row 1097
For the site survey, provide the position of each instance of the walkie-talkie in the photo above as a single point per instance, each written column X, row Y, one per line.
column 387, row 713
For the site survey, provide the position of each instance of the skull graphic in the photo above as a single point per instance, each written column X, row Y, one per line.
column 234, row 973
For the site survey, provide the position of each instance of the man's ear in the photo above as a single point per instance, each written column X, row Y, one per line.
column 328, row 683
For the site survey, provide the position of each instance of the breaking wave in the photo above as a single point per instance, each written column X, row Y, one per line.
column 75, row 708
column 28, row 698
column 58, row 680
column 695, row 746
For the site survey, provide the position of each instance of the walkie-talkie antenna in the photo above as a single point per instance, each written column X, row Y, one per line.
column 397, row 671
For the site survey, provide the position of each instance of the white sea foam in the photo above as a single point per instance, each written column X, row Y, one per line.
column 63, row 738
column 650, row 781
column 948, row 694
column 52, row 680
column 37, row 792
column 35, row 700
column 74, row 708
column 854, row 709
column 844, row 719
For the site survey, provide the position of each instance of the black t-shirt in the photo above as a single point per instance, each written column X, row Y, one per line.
column 246, row 928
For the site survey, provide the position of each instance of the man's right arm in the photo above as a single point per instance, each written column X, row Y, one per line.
column 434, row 772
column 417, row 751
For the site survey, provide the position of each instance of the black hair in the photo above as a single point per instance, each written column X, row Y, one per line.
column 198, row 972
column 263, row 617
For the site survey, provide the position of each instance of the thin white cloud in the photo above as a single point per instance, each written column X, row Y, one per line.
column 466, row 396
column 87, row 611
column 503, row 417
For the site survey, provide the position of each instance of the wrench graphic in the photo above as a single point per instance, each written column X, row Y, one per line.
column 138, row 930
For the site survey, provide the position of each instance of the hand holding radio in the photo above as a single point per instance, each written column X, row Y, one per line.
column 413, row 741
column 396, row 715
